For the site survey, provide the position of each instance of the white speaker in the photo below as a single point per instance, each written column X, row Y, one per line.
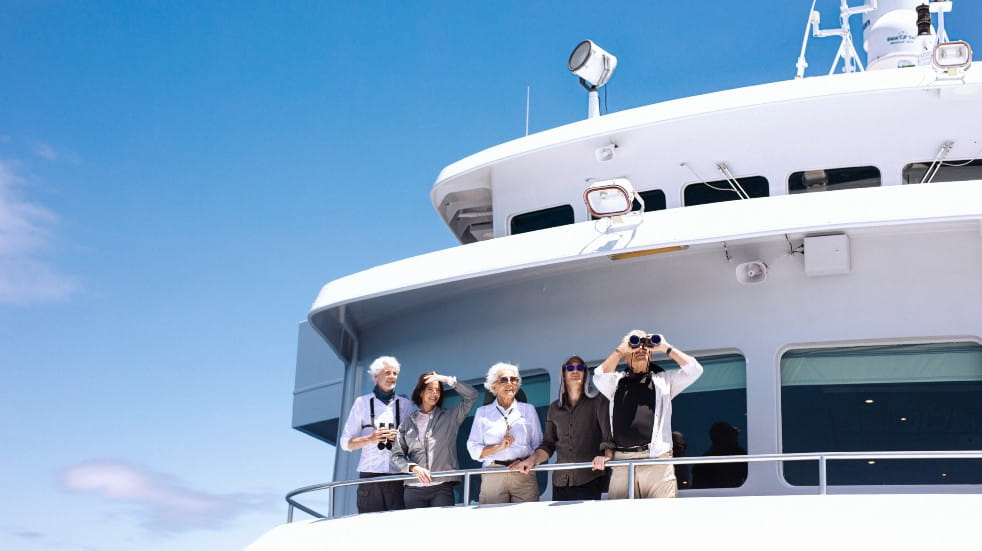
column 751, row 272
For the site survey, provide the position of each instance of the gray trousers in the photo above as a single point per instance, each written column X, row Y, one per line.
column 381, row 496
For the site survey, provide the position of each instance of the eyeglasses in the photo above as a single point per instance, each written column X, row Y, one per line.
column 574, row 367
column 647, row 341
column 513, row 380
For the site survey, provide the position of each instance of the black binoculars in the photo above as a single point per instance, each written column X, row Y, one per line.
column 647, row 341
column 387, row 445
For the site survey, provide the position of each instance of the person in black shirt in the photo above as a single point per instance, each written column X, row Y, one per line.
column 641, row 410
column 577, row 426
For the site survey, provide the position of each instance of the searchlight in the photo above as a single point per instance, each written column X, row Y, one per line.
column 594, row 66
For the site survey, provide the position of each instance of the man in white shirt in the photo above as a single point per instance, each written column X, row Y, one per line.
column 505, row 432
column 372, row 427
column 641, row 410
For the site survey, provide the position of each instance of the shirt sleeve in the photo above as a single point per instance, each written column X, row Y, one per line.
column 352, row 425
column 475, row 442
column 603, row 420
column 550, row 436
column 606, row 383
column 468, row 396
column 535, row 430
column 401, row 448
column 682, row 378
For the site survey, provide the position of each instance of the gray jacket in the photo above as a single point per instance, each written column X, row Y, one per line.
column 440, row 450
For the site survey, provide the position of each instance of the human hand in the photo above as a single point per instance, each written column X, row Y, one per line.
column 422, row 474
column 662, row 345
column 624, row 349
column 507, row 441
column 379, row 435
column 600, row 462
column 522, row 465
column 436, row 377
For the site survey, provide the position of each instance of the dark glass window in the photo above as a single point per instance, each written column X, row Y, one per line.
column 534, row 390
column 711, row 416
column 716, row 192
column 832, row 179
column 949, row 171
column 916, row 397
column 542, row 219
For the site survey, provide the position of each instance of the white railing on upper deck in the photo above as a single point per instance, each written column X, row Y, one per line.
column 631, row 464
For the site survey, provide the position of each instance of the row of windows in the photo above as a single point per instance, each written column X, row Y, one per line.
column 901, row 397
column 757, row 186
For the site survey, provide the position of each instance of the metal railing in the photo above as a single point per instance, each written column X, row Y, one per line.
column 631, row 464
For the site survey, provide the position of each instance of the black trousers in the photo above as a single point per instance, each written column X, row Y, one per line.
column 588, row 491
column 440, row 495
column 381, row 496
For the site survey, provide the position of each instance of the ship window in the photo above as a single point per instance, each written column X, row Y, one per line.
column 949, row 171
column 716, row 404
column 913, row 397
column 654, row 199
column 542, row 219
column 832, row 179
column 716, row 192
column 534, row 390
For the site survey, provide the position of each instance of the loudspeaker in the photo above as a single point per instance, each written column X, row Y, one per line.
column 751, row 272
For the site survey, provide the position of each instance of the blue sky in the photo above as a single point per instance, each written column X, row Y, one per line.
column 175, row 184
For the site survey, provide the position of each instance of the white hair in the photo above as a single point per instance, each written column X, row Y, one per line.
column 379, row 364
column 493, row 374
column 637, row 332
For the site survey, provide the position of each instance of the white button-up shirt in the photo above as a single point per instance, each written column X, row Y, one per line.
column 492, row 421
column 359, row 423
column 668, row 385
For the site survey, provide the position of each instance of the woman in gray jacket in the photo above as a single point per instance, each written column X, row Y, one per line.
column 427, row 440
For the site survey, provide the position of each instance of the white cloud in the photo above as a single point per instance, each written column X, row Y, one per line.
column 45, row 151
column 165, row 504
column 25, row 231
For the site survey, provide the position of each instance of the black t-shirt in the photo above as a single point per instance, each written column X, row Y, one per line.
column 634, row 410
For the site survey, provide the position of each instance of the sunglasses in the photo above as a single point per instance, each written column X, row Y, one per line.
column 574, row 367
column 506, row 380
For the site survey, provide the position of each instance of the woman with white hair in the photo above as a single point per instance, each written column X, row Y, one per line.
column 371, row 427
column 504, row 432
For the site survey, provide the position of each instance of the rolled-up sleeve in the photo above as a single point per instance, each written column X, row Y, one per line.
column 535, row 430
column 606, row 383
column 682, row 378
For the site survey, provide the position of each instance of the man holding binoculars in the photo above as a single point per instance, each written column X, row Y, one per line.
column 372, row 427
column 641, row 410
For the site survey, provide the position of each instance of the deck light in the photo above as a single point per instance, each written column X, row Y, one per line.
column 594, row 66
column 610, row 198
column 952, row 58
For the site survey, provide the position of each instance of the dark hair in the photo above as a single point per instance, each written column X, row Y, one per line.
column 417, row 396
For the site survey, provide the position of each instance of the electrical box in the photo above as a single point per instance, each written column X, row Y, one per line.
column 827, row 255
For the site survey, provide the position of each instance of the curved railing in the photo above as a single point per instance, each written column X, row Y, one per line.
column 631, row 464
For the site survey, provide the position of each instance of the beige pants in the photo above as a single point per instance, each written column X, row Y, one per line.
column 649, row 480
column 509, row 487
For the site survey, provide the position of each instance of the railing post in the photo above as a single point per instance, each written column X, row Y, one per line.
column 289, row 513
column 630, row 480
column 330, row 502
column 822, row 481
column 467, row 489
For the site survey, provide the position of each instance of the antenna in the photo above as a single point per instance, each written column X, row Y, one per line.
column 528, row 96
column 847, row 50
column 812, row 14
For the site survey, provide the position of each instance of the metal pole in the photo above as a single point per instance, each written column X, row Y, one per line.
column 630, row 480
column 330, row 502
column 289, row 513
column 467, row 489
column 822, row 482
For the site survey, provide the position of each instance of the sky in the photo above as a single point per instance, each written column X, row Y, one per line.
column 178, row 179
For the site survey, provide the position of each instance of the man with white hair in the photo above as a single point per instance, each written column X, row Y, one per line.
column 372, row 427
column 505, row 432
column 641, row 410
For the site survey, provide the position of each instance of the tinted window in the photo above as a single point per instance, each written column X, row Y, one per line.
column 883, row 398
column 721, row 190
column 832, row 179
column 542, row 219
column 949, row 171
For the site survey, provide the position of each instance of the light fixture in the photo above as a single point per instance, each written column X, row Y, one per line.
column 610, row 198
column 751, row 272
column 594, row 66
column 868, row 401
column 871, row 462
column 951, row 59
column 903, row 418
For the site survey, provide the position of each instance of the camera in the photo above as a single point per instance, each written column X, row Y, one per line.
column 647, row 341
column 387, row 445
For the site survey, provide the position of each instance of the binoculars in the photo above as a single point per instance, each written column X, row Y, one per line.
column 648, row 341
column 387, row 445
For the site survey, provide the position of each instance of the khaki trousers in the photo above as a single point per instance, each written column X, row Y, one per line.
column 508, row 487
column 649, row 480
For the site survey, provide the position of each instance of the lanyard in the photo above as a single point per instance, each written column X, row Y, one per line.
column 505, row 416
column 371, row 410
